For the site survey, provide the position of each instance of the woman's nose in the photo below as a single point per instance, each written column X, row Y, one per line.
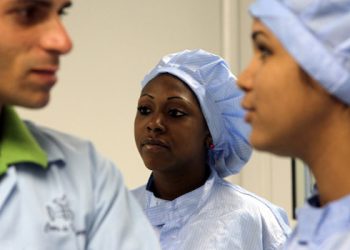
column 245, row 79
column 156, row 125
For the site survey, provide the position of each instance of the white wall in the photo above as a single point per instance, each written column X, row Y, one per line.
column 116, row 43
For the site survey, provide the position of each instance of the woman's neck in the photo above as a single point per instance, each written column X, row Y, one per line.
column 169, row 186
column 328, row 157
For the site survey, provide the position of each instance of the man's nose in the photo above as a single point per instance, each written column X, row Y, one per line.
column 55, row 37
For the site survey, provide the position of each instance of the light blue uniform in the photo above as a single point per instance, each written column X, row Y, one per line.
column 78, row 201
column 217, row 215
column 322, row 228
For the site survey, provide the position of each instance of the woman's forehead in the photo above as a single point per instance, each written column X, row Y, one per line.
column 169, row 83
column 170, row 87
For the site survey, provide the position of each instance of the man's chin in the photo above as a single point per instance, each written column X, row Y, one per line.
column 37, row 103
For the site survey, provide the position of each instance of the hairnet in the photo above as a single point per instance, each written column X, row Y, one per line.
column 215, row 87
column 316, row 34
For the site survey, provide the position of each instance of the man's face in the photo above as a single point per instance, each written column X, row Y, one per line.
column 32, row 40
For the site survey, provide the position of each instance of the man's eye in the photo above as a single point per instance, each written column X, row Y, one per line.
column 143, row 110
column 63, row 11
column 176, row 113
column 30, row 15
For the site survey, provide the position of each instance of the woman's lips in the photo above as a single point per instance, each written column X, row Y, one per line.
column 249, row 111
column 248, row 116
column 151, row 144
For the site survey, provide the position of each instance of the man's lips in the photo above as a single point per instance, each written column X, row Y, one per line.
column 49, row 70
column 45, row 75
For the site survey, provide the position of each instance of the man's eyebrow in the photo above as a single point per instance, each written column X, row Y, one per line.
column 46, row 3
column 34, row 1
column 67, row 5
column 43, row 2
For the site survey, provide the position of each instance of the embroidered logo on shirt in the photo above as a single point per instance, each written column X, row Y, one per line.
column 60, row 216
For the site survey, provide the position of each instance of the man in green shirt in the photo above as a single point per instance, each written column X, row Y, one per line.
column 56, row 190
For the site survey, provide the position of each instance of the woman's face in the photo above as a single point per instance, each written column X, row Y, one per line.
column 285, row 107
column 170, row 131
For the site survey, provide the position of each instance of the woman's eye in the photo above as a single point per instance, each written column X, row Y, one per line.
column 143, row 110
column 176, row 113
column 264, row 51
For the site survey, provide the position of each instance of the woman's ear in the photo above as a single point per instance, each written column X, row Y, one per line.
column 209, row 142
column 308, row 79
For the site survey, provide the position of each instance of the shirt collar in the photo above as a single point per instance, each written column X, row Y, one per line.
column 177, row 211
column 316, row 223
column 17, row 144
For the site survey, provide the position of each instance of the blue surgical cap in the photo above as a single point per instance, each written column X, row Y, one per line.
column 317, row 34
column 215, row 87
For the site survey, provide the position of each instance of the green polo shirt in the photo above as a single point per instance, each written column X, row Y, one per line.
column 17, row 144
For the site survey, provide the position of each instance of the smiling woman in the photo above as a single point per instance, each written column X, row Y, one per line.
column 190, row 132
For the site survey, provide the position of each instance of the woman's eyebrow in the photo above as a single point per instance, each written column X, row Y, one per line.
column 169, row 98
column 175, row 97
column 148, row 95
column 183, row 99
column 257, row 34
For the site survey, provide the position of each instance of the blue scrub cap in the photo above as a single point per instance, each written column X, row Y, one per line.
column 215, row 86
column 317, row 34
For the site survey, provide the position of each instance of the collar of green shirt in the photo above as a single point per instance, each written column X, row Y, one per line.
column 17, row 144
